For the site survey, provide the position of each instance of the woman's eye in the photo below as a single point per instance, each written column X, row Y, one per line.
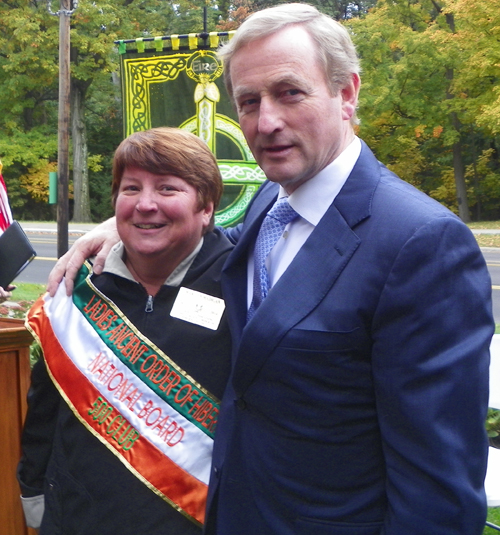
column 130, row 188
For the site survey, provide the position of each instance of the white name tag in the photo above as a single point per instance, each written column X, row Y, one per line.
column 200, row 309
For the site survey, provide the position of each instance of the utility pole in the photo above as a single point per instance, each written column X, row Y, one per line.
column 63, row 127
column 63, row 130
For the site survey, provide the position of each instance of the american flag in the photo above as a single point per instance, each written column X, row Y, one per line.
column 5, row 213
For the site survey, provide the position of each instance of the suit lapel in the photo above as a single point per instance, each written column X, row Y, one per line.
column 299, row 290
column 307, row 280
column 234, row 274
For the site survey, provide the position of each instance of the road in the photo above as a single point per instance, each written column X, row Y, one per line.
column 45, row 244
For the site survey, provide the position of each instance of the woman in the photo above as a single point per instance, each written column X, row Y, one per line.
column 123, row 406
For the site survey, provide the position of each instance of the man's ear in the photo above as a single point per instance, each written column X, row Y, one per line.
column 350, row 97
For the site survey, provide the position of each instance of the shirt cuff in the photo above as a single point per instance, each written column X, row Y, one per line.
column 33, row 508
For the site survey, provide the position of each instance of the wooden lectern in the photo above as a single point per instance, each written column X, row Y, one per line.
column 15, row 341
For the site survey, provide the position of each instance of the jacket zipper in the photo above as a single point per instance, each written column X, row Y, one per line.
column 149, row 304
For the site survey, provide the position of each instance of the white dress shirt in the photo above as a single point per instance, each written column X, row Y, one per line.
column 311, row 200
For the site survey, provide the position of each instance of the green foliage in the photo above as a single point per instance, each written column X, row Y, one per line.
column 29, row 59
column 430, row 85
column 36, row 181
column 344, row 9
column 445, row 193
column 22, row 151
column 36, row 353
column 493, row 423
column 484, row 174
column 100, row 190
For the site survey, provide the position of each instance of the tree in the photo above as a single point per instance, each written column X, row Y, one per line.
column 95, row 28
column 415, row 107
column 344, row 9
column 28, row 100
column 29, row 75
column 458, row 163
column 233, row 14
column 430, row 85
column 476, row 87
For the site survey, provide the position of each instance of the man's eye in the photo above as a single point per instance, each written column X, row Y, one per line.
column 248, row 103
column 292, row 92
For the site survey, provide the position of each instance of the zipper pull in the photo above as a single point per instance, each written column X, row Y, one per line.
column 149, row 304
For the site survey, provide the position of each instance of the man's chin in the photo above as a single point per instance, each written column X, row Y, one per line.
column 276, row 173
column 285, row 179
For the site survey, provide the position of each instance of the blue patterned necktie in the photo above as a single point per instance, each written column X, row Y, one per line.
column 270, row 231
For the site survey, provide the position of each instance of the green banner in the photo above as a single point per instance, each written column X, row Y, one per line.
column 177, row 81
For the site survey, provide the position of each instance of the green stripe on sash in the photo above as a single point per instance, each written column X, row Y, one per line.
column 143, row 358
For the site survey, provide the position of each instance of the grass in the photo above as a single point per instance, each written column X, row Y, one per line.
column 22, row 298
column 484, row 224
column 28, row 292
column 494, row 518
column 488, row 240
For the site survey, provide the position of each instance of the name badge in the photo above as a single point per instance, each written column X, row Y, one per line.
column 200, row 309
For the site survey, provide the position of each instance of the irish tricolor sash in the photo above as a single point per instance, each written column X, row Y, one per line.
column 150, row 413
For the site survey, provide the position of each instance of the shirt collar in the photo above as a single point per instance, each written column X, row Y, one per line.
column 114, row 264
column 312, row 199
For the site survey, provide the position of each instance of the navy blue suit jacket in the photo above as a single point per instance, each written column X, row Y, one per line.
column 359, row 389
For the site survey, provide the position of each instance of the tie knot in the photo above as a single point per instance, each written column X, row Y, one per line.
column 282, row 211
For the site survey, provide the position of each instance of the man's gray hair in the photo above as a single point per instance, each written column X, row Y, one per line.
column 336, row 53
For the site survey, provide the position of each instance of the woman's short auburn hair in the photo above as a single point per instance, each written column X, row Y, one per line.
column 170, row 151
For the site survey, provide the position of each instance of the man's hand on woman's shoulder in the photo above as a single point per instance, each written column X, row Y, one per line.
column 98, row 242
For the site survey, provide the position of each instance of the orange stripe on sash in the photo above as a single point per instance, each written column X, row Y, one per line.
column 183, row 491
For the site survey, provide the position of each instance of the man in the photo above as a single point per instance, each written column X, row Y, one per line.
column 359, row 386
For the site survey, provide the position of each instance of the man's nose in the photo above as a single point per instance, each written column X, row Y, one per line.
column 270, row 117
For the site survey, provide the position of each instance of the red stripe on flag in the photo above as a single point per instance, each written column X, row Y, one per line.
column 5, row 213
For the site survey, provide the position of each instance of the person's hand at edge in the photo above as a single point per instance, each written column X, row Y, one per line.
column 6, row 293
column 98, row 242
